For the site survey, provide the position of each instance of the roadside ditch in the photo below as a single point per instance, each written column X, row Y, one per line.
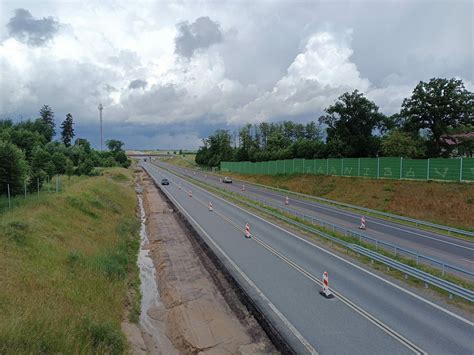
column 190, row 304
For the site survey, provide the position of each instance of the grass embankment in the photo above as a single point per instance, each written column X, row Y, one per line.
column 449, row 204
column 187, row 161
column 68, row 268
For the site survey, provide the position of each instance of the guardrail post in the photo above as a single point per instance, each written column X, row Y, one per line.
column 401, row 168
column 395, row 251
column 376, row 244
column 417, row 258
column 442, row 269
column 428, row 170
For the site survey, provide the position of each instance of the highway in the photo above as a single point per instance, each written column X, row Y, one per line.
column 281, row 271
column 451, row 250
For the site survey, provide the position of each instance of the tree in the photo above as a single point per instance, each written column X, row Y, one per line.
column 39, row 166
column 67, row 132
column 59, row 160
column 352, row 121
column 69, row 169
column 438, row 106
column 114, row 145
column 13, row 168
column 402, row 144
column 217, row 147
column 47, row 116
column 86, row 167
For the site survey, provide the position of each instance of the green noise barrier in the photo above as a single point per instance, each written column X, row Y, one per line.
column 458, row 169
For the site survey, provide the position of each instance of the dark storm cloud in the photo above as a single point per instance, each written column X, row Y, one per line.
column 137, row 84
column 202, row 33
column 36, row 32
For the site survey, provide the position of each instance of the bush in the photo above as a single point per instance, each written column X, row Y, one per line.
column 13, row 168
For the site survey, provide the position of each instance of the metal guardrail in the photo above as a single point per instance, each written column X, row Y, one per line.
column 368, row 210
column 449, row 287
column 397, row 250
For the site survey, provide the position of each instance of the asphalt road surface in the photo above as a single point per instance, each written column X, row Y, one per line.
column 442, row 247
column 282, row 271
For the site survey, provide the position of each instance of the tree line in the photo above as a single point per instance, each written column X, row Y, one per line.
column 29, row 154
column 436, row 121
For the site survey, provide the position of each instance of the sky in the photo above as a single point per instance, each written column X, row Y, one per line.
column 169, row 73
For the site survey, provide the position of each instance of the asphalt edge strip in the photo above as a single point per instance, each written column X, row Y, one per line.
column 277, row 339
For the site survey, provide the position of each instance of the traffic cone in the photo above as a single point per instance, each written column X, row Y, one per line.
column 247, row 231
column 287, row 201
column 210, row 206
column 325, row 291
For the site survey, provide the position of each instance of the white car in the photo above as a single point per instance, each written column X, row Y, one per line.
column 227, row 180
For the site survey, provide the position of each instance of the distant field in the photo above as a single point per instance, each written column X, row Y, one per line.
column 67, row 261
column 445, row 203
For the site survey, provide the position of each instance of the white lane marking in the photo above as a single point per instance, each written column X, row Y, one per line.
column 452, row 314
column 359, row 310
column 469, row 261
column 285, row 321
column 335, row 210
column 397, row 336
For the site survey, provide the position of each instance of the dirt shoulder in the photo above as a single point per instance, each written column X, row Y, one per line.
column 197, row 316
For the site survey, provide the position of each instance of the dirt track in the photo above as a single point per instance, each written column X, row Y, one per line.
column 196, row 315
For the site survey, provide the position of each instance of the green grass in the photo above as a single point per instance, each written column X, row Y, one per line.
column 69, row 269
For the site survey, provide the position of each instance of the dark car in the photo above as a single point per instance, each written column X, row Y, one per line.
column 165, row 181
column 227, row 180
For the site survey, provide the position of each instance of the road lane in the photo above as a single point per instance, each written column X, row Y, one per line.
column 296, row 295
column 451, row 250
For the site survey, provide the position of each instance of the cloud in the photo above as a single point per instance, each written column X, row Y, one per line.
column 226, row 64
column 36, row 32
column 137, row 84
column 315, row 78
column 200, row 34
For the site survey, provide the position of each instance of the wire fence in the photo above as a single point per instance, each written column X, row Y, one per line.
column 459, row 169
column 30, row 190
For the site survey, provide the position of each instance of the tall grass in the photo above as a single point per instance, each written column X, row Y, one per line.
column 67, row 264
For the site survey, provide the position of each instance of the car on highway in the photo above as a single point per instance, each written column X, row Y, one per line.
column 227, row 180
column 165, row 181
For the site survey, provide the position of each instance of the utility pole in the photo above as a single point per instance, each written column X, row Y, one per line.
column 100, row 115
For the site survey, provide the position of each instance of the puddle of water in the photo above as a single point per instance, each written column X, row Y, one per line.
column 148, row 286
